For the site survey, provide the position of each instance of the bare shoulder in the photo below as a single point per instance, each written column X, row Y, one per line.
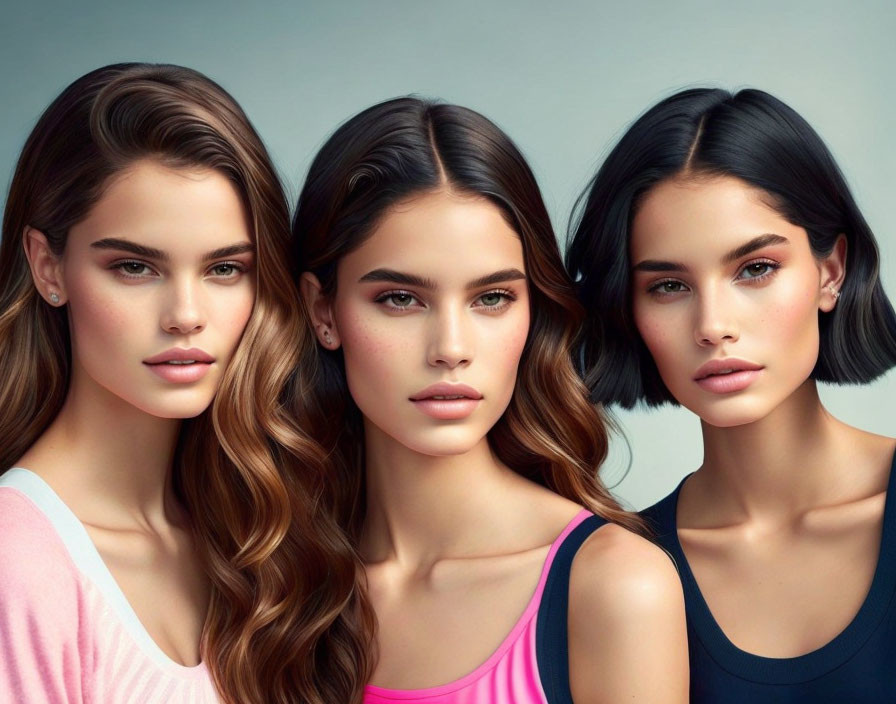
column 623, row 573
column 627, row 633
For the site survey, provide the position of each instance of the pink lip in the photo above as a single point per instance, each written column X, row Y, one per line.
column 179, row 355
column 725, row 376
column 443, row 408
column 180, row 373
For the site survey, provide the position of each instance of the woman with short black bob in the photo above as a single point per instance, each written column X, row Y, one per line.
column 726, row 267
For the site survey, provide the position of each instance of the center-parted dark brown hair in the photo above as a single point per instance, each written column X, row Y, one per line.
column 384, row 156
column 285, row 621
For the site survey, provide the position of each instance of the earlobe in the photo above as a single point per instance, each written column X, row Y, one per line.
column 833, row 274
column 46, row 267
column 321, row 311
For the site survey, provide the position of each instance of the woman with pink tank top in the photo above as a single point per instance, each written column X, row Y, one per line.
column 462, row 444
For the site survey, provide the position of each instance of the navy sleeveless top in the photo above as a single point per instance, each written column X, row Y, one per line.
column 858, row 665
column 551, row 630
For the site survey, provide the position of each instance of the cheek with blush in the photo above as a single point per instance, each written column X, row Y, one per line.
column 228, row 317
column 104, row 327
column 667, row 341
column 507, row 351
column 377, row 362
column 789, row 329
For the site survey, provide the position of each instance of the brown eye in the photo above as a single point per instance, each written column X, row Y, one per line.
column 668, row 287
column 757, row 270
column 401, row 300
column 132, row 269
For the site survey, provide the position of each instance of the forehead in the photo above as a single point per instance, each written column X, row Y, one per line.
column 444, row 236
column 703, row 218
column 179, row 210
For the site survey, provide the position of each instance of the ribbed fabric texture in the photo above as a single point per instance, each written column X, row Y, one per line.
column 857, row 666
column 509, row 676
column 62, row 638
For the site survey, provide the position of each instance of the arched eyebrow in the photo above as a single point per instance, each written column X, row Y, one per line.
column 396, row 277
column 499, row 277
column 754, row 244
column 743, row 250
column 231, row 251
column 132, row 247
column 404, row 279
column 157, row 254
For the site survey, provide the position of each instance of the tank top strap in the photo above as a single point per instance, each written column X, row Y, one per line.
column 551, row 631
column 511, row 673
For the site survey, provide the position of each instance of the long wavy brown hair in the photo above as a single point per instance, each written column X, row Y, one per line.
column 286, row 622
column 550, row 432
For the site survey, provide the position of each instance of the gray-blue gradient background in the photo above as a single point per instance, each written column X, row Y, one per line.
column 563, row 80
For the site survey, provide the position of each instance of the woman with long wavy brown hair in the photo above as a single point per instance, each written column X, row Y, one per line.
column 165, row 534
column 461, row 437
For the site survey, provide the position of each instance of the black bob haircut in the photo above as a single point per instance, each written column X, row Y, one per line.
column 752, row 136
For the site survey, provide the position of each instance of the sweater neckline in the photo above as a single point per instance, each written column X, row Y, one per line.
column 90, row 564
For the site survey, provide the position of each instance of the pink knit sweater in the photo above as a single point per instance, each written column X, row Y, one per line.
column 67, row 633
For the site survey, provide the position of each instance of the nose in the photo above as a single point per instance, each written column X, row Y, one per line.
column 715, row 320
column 183, row 312
column 450, row 340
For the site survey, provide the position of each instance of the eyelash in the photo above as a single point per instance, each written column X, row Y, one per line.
column 506, row 296
column 772, row 265
column 118, row 267
column 238, row 268
column 384, row 298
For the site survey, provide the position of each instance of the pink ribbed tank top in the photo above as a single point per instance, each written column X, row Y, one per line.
column 509, row 676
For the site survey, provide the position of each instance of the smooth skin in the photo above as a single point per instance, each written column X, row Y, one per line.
column 454, row 541
column 108, row 453
column 782, row 522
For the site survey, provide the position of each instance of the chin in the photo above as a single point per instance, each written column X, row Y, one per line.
column 175, row 408
column 729, row 413
column 446, row 442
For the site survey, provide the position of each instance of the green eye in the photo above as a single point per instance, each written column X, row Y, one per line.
column 397, row 300
column 491, row 299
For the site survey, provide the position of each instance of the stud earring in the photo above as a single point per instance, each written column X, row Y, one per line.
column 834, row 292
column 327, row 340
column 54, row 298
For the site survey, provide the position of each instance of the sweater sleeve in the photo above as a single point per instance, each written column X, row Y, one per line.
column 44, row 644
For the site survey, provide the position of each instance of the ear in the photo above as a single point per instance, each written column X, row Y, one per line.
column 46, row 267
column 321, row 310
column 833, row 271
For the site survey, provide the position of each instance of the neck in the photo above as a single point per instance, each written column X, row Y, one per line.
column 110, row 459
column 422, row 508
column 784, row 463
